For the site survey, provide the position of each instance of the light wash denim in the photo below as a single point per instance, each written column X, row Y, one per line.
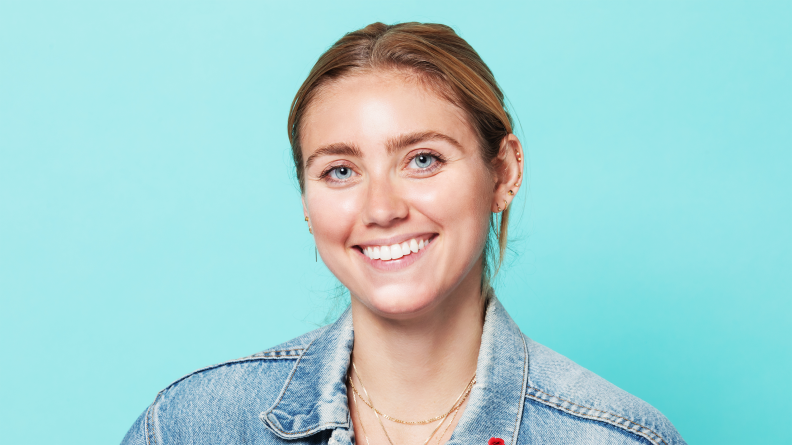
column 295, row 393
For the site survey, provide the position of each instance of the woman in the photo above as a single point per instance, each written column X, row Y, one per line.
column 408, row 165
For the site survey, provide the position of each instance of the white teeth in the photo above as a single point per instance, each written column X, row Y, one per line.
column 396, row 251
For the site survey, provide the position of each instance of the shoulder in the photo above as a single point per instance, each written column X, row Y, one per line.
column 269, row 366
column 563, row 393
column 238, row 390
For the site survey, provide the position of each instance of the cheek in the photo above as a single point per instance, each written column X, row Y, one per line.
column 332, row 214
column 459, row 200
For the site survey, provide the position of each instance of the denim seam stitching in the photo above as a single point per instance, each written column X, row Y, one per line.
column 146, row 426
column 151, row 435
column 523, row 391
column 230, row 362
column 274, row 357
column 316, row 428
column 648, row 434
column 283, row 353
column 280, row 397
column 275, row 351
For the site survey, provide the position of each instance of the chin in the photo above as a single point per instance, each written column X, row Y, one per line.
column 399, row 301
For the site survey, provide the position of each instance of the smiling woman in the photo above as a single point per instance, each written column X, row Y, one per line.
column 411, row 171
column 407, row 165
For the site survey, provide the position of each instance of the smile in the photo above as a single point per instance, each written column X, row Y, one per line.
column 391, row 257
column 395, row 251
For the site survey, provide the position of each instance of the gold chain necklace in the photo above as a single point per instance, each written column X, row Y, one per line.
column 357, row 411
column 451, row 421
column 454, row 409
column 464, row 393
column 355, row 395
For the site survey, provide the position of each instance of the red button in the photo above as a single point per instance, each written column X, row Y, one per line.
column 496, row 441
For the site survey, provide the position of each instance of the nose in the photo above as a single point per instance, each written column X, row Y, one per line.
column 384, row 205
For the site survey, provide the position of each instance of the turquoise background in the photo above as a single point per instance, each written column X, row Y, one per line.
column 150, row 223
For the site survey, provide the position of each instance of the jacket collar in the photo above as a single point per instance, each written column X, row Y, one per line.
column 501, row 376
column 314, row 397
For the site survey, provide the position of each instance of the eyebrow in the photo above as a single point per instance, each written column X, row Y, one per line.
column 393, row 145
column 406, row 140
column 337, row 149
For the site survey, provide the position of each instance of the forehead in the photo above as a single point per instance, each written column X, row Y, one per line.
column 372, row 108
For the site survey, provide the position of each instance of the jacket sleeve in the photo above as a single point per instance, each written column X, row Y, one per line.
column 137, row 434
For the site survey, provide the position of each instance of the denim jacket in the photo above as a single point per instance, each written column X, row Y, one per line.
column 295, row 394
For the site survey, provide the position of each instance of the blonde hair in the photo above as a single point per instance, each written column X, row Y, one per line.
column 441, row 60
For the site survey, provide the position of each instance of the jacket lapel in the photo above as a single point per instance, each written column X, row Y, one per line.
column 497, row 400
column 314, row 397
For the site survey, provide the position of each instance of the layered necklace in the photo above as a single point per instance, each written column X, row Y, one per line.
column 379, row 414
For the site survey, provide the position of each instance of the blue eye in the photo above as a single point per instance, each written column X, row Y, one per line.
column 423, row 160
column 341, row 173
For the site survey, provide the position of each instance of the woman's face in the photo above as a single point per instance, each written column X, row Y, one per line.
column 397, row 193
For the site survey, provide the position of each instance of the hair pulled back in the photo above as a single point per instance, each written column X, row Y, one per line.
column 441, row 60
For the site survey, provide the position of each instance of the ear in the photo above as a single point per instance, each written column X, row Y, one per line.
column 305, row 212
column 508, row 173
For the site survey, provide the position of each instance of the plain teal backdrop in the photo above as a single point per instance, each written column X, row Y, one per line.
column 150, row 225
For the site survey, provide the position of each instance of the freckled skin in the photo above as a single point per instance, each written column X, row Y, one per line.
column 385, row 198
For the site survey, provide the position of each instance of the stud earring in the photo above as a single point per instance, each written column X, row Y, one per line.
column 499, row 209
column 511, row 193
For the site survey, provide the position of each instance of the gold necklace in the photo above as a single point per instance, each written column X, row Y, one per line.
column 464, row 393
column 440, row 437
column 355, row 395
column 357, row 411
column 455, row 409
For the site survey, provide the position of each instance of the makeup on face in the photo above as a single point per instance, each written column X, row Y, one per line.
column 398, row 193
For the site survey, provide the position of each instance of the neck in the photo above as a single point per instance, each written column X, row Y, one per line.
column 416, row 368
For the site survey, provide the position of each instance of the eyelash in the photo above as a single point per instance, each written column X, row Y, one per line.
column 439, row 162
column 325, row 175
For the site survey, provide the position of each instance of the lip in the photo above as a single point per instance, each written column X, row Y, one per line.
column 402, row 262
column 398, row 239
